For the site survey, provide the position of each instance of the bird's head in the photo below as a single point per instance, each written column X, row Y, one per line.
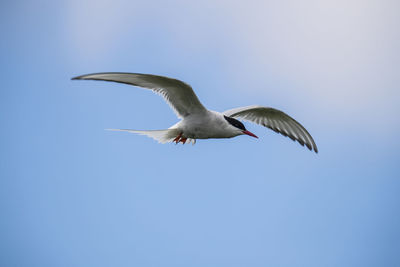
column 238, row 126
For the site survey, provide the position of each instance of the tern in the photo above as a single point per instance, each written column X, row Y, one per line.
column 197, row 122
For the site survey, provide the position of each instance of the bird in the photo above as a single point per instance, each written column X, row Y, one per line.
column 198, row 122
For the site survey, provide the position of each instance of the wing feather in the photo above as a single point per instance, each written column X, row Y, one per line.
column 277, row 121
column 179, row 95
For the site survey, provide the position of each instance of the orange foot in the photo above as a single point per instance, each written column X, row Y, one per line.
column 178, row 138
column 183, row 140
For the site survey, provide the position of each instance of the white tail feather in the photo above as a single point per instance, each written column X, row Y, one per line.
column 162, row 136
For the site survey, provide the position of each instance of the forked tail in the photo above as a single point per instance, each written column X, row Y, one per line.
column 161, row 136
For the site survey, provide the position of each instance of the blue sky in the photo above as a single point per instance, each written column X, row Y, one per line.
column 73, row 194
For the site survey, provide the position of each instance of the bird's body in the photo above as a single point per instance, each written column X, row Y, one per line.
column 205, row 125
column 197, row 122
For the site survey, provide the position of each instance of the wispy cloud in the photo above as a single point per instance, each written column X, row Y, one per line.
column 341, row 54
column 339, row 57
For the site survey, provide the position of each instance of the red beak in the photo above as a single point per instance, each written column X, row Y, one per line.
column 250, row 133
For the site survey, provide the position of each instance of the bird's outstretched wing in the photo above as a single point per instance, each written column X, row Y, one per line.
column 276, row 120
column 179, row 95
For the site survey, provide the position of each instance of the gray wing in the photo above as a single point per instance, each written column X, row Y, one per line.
column 276, row 120
column 179, row 95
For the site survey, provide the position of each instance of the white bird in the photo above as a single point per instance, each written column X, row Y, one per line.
column 197, row 122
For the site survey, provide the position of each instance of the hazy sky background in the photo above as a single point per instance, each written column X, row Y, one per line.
column 72, row 194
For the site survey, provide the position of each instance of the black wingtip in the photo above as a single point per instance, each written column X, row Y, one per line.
column 76, row 78
column 309, row 147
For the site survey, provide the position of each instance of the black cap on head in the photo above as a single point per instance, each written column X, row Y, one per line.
column 235, row 122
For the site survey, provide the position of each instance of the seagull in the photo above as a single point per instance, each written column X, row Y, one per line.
column 198, row 122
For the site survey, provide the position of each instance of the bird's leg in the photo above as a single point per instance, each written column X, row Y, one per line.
column 178, row 138
column 183, row 140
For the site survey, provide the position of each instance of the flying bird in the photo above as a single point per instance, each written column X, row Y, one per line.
column 198, row 122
